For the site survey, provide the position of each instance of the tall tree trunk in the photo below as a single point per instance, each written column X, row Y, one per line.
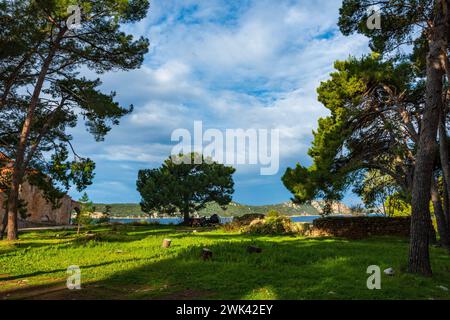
column 419, row 256
column 19, row 168
column 444, row 157
column 186, row 218
column 13, row 200
column 431, row 232
column 440, row 217
column 446, row 204
column 4, row 223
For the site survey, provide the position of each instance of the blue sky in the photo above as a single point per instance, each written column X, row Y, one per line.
column 231, row 64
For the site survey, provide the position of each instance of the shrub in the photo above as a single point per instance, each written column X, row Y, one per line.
column 273, row 214
column 248, row 218
column 302, row 228
column 231, row 227
column 274, row 225
column 239, row 223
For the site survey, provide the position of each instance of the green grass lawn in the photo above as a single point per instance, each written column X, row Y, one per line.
column 129, row 263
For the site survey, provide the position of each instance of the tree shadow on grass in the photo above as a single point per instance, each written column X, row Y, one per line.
column 286, row 269
column 124, row 233
column 297, row 269
column 70, row 240
column 13, row 247
column 40, row 273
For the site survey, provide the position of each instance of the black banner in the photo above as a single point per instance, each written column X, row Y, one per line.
column 225, row 309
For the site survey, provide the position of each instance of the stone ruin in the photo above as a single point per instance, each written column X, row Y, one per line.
column 39, row 210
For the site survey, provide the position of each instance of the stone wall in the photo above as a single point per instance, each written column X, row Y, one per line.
column 361, row 227
column 41, row 211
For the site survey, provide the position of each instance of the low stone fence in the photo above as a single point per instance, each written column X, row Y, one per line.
column 361, row 227
column 31, row 224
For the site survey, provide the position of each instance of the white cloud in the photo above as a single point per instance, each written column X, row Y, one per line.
column 255, row 64
column 159, row 115
column 150, row 153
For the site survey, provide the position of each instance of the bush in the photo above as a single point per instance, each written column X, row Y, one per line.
column 273, row 214
column 239, row 223
column 273, row 225
column 302, row 228
column 231, row 227
column 248, row 218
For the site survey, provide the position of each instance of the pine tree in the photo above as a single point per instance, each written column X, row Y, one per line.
column 83, row 216
column 41, row 51
column 400, row 21
column 185, row 187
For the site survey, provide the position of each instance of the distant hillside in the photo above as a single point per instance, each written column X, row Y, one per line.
column 233, row 210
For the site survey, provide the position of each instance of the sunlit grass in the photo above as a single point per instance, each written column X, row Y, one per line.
column 129, row 263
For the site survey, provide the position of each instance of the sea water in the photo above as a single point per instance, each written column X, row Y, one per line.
column 169, row 221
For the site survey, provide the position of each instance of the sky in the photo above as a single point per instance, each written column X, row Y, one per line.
column 232, row 65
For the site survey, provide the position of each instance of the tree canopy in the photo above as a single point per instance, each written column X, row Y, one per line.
column 425, row 25
column 370, row 139
column 42, row 93
column 185, row 186
column 375, row 110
